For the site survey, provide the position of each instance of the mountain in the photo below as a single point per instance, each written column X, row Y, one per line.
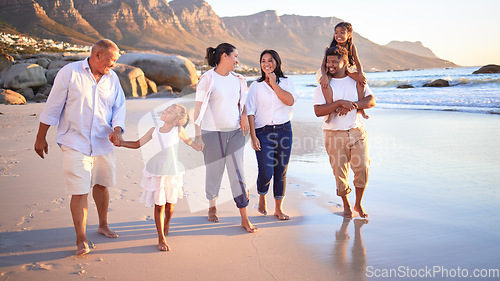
column 416, row 48
column 188, row 27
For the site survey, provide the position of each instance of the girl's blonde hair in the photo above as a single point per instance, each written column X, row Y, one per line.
column 182, row 114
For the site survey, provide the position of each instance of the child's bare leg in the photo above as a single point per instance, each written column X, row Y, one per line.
column 160, row 226
column 169, row 211
column 279, row 210
column 245, row 222
column 328, row 94
column 361, row 95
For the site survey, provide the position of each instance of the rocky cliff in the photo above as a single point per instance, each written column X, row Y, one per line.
column 416, row 48
column 188, row 27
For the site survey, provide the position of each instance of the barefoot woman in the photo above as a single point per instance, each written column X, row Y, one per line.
column 220, row 122
column 269, row 108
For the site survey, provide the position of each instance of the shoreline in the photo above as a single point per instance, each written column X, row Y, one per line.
column 422, row 161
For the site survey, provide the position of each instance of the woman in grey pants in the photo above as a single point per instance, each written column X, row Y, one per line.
column 220, row 121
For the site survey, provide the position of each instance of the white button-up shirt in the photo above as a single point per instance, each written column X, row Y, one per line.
column 264, row 104
column 86, row 111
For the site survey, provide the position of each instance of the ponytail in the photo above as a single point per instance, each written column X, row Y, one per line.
column 213, row 55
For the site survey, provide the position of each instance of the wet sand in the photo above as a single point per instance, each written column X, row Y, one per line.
column 432, row 200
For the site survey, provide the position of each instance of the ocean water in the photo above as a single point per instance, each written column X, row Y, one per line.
column 478, row 93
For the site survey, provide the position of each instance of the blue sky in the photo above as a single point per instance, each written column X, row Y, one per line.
column 465, row 32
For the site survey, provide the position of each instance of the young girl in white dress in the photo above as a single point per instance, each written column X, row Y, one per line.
column 162, row 175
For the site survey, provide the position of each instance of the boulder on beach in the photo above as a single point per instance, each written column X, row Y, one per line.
column 175, row 71
column 27, row 93
column 6, row 61
column 191, row 89
column 438, row 83
column 132, row 80
column 24, row 75
column 11, row 97
column 161, row 95
column 43, row 62
column 50, row 75
column 490, row 68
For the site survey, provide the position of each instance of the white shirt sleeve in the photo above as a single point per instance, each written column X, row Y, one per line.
column 57, row 98
column 201, row 89
column 118, row 117
column 290, row 88
column 318, row 98
column 368, row 91
column 250, row 102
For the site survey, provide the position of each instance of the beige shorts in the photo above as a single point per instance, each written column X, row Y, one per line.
column 81, row 172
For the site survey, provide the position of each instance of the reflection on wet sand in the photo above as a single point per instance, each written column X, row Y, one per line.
column 356, row 268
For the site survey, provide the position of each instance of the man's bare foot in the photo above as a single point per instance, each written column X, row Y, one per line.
column 212, row 214
column 262, row 205
column 163, row 246
column 107, row 232
column 249, row 227
column 82, row 248
column 281, row 215
column 348, row 214
column 361, row 211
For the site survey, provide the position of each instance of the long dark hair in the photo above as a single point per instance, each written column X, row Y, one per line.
column 277, row 69
column 214, row 54
column 348, row 28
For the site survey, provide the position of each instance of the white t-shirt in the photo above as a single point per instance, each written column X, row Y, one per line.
column 343, row 89
column 264, row 104
column 222, row 113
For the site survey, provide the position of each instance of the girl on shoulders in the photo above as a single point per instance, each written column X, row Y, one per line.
column 343, row 37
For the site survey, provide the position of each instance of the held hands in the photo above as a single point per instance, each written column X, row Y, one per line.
column 198, row 142
column 116, row 139
column 196, row 146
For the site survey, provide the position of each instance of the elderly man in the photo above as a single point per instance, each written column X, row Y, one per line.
column 345, row 138
column 88, row 103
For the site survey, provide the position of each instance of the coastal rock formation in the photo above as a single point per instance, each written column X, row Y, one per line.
column 27, row 93
column 490, row 68
column 6, row 61
column 11, row 97
column 405, row 86
column 132, row 80
column 188, row 27
column 175, row 71
column 24, row 75
column 438, row 83
column 416, row 48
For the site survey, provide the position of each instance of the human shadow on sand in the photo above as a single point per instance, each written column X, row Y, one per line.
column 23, row 247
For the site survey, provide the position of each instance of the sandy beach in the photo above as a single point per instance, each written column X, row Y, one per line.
column 432, row 198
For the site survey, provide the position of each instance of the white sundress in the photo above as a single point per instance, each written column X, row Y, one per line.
column 162, row 175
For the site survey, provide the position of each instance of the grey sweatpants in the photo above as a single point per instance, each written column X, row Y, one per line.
column 225, row 150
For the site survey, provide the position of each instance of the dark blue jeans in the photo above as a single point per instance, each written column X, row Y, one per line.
column 273, row 157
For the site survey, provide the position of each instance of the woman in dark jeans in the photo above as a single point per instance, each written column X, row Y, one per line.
column 269, row 109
